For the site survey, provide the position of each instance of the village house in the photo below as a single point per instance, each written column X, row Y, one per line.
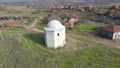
column 80, row 9
column 69, row 24
column 16, row 23
column 71, row 20
column 73, row 17
column 55, row 7
column 112, row 12
column 87, row 8
column 116, row 16
column 111, row 32
column 6, row 17
column 68, row 7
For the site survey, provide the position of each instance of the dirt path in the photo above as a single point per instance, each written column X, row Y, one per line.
column 97, row 40
column 34, row 23
column 32, row 27
column 93, row 39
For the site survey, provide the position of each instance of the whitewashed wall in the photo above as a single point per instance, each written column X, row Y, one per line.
column 116, row 36
column 49, row 39
column 53, row 40
column 59, row 40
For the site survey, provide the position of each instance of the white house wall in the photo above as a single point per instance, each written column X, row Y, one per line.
column 116, row 36
column 74, row 19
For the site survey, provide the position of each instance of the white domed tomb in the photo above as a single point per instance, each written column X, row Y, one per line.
column 54, row 33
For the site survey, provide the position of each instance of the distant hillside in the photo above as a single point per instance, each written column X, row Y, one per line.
column 16, row 0
column 61, row 0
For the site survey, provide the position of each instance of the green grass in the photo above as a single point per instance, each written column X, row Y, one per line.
column 81, row 28
column 78, row 28
column 40, row 25
column 27, row 50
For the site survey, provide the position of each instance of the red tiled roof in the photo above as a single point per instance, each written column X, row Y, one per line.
column 69, row 23
column 73, row 16
column 113, row 29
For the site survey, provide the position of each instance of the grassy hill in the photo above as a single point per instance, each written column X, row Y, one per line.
column 20, row 48
column 27, row 50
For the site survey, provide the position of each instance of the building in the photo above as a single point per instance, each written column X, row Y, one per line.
column 69, row 24
column 55, row 7
column 54, row 33
column 73, row 17
column 12, row 23
column 112, row 12
column 111, row 32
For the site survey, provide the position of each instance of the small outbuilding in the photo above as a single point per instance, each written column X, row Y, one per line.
column 111, row 32
column 54, row 33
column 73, row 17
column 12, row 23
column 69, row 24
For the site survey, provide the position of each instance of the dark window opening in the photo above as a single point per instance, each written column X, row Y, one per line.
column 116, row 35
column 58, row 34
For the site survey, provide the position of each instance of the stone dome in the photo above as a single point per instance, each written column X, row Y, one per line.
column 54, row 25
